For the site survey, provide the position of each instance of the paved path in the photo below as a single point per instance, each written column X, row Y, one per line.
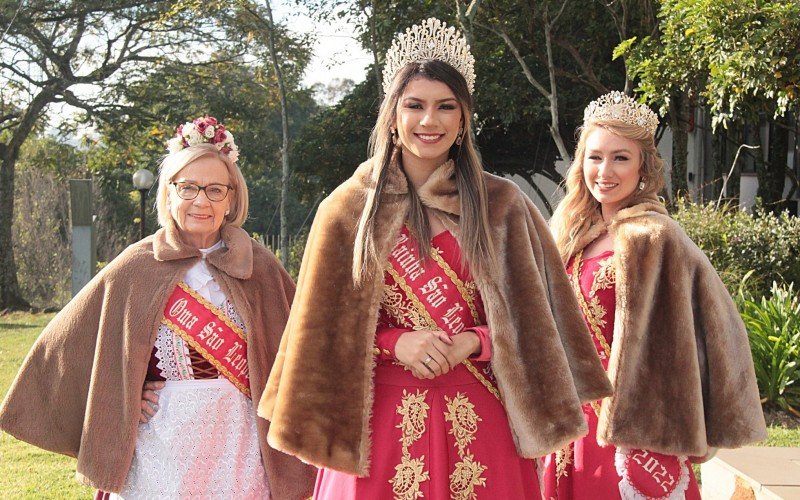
column 753, row 473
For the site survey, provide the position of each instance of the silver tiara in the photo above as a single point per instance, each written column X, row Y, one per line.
column 431, row 39
column 617, row 106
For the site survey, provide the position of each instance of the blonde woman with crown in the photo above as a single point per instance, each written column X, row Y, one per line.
column 194, row 314
column 434, row 347
column 665, row 327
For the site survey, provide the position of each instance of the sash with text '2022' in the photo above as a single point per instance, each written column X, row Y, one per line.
column 210, row 332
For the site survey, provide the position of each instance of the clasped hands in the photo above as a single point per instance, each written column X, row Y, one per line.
column 430, row 353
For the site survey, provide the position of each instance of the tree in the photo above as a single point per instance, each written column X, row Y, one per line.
column 241, row 94
column 556, row 47
column 363, row 15
column 52, row 47
column 741, row 59
column 515, row 122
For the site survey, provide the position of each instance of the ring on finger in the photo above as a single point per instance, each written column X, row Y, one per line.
column 427, row 360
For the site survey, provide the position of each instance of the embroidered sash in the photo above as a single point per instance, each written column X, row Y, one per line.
column 440, row 297
column 210, row 332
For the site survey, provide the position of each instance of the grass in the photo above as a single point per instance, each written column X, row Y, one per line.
column 28, row 472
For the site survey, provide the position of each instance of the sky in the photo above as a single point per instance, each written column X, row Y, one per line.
column 336, row 54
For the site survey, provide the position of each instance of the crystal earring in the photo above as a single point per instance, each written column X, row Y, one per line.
column 641, row 185
column 460, row 137
column 394, row 136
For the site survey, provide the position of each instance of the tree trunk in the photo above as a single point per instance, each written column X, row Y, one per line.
column 772, row 173
column 373, row 46
column 285, row 147
column 679, row 123
column 10, row 295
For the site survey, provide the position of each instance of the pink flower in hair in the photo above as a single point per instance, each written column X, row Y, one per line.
column 204, row 130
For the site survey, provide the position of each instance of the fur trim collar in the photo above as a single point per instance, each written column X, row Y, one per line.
column 319, row 394
column 235, row 259
column 645, row 208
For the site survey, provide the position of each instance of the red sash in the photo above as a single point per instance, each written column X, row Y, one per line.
column 442, row 299
column 210, row 332
column 647, row 474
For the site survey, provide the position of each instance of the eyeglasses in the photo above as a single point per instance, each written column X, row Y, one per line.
column 189, row 191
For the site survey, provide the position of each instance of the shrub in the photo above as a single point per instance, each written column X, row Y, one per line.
column 773, row 328
column 737, row 242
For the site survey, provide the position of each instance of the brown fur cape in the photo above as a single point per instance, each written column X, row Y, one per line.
column 319, row 394
column 79, row 390
column 680, row 362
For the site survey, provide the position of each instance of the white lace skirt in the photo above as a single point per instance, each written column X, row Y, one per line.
column 201, row 443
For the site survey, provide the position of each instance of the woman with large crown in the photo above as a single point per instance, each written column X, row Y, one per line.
column 434, row 347
column 663, row 323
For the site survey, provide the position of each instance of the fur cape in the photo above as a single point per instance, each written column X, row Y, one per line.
column 680, row 362
column 319, row 394
column 79, row 390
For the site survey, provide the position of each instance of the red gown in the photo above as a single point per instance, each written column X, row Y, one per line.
column 586, row 470
column 443, row 438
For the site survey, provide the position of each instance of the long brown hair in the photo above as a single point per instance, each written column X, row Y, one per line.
column 474, row 237
column 578, row 210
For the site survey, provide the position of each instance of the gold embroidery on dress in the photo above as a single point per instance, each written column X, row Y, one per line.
column 463, row 426
column 465, row 478
column 605, row 277
column 464, row 420
column 422, row 318
column 563, row 458
column 594, row 313
column 399, row 310
column 591, row 313
column 410, row 471
column 598, row 313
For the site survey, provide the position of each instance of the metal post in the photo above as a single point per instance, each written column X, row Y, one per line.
column 142, row 194
column 142, row 180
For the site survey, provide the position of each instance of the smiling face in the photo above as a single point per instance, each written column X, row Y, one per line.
column 428, row 123
column 200, row 219
column 611, row 169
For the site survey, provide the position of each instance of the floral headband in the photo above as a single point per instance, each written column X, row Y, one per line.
column 204, row 130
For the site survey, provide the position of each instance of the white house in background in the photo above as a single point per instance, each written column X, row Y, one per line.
column 700, row 167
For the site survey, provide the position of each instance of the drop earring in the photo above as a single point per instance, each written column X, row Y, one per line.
column 641, row 185
column 393, row 131
column 460, row 137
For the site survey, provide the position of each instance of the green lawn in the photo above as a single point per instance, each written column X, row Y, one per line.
column 28, row 472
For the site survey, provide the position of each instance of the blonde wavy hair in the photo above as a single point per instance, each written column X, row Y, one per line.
column 579, row 210
column 475, row 236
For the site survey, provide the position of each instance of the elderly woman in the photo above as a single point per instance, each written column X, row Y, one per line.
column 198, row 305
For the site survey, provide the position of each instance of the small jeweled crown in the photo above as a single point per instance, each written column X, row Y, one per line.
column 431, row 39
column 617, row 106
column 203, row 130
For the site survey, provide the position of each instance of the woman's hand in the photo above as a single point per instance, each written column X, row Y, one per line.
column 424, row 352
column 149, row 400
column 465, row 344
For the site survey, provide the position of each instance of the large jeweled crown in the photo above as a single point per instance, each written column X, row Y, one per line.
column 431, row 39
column 617, row 106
